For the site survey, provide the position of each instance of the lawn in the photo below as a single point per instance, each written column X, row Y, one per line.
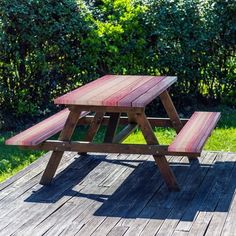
column 13, row 159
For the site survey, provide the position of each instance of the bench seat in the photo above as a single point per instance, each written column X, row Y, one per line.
column 42, row 131
column 194, row 134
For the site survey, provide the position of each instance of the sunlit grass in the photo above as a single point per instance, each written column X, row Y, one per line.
column 13, row 159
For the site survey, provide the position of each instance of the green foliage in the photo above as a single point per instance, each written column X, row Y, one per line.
column 195, row 40
column 121, row 38
column 42, row 52
column 49, row 47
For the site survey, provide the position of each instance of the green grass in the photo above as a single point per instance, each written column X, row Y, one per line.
column 13, row 159
column 221, row 140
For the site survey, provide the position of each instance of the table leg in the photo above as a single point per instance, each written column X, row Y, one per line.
column 56, row 156
column 112, row 127
column 161, row 161
column 173, row 115
column 171, row 111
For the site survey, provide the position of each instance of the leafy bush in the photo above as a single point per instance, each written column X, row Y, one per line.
column 49, row 47
column 195, row 40
column 43, row 52
column 120, row 36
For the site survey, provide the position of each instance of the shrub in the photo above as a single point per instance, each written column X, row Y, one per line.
column 196, row 41
column 49, row 47
column 120, row 36
column 43, row 52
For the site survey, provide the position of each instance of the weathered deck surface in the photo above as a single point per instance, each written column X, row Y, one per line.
column 122, row 195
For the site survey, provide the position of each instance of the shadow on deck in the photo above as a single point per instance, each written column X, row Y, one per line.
column 125, row 194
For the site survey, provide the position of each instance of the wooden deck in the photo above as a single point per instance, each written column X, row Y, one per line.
column 122, row 195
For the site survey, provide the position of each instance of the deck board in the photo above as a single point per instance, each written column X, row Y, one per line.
column 120, row 194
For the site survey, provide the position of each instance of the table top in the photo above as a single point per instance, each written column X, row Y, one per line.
column 118, row 90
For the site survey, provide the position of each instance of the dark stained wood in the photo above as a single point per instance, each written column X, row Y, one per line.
column 76, row 146
column 56, row 156
column 171, row 111
column 112, row 127
column 94, row 126
column 159, row 159
column 154, row 122
column 122, row 135
column 118, row 109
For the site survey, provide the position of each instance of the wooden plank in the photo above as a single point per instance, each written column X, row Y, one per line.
column 171, row 111
column 156, row 209
column 195, row 133
column 79, row 205
column 8, row 182
column 10, row 197
column 16, row 201
column 127, row 100
column 101, row 108
column 112, row 127
column 93, row 220
column 43, row 130
column 95, row 95
column 73, row 96
column 118, row 231
column 124, row 133
column 206, row 195
column 23, row 214
column 222, row 222
column 180, row 204
column 45, row 217
column 84, row 219
column 126, row 90
column 163, row 201
column 207, row 187
column 153, row 92
column 56, row 156
column 154, row 122
column 75, row 146
column 117, row 174
column 124, row 198
column 121, row 89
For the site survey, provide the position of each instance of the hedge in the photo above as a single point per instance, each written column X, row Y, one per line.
column 49, row 47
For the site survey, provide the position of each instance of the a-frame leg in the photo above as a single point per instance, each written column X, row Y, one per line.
column 171, row 111
column 56, row 156
column 161, row 161
column 173, row 115
column 112, row 127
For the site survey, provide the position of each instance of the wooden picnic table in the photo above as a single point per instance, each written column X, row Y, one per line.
column 115, row 95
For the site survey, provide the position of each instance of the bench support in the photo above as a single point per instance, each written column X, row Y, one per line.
column 56, row 156
column 94, row 126
column 160, row 160
column 112, row 127
column 171, row 111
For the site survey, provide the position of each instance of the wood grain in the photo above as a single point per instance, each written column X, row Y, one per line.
column 43, row 130
column 195, row 133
